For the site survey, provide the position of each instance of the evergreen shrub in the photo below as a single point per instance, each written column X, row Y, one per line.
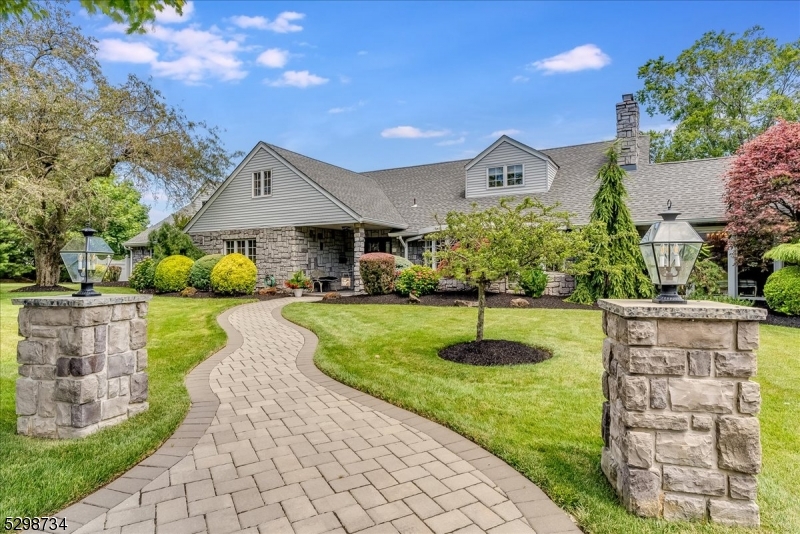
column 377, row 272
column 234, row 274
column 143, row 274
column 782, row 291
column 417, row 279
column 533, row 282
column 200, row 275
column 172, row 274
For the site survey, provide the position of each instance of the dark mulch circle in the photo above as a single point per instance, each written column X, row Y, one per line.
column 448, row 298
column 42, row 289
column 494, row 352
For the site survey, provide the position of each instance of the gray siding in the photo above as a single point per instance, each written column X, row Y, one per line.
column 294, row 202
column 551, row 175
column 535, row 172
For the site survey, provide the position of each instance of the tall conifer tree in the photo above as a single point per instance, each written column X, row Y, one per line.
column 614, row 266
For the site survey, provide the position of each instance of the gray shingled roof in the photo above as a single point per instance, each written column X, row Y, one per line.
column 358, row 192
column 695, row 187
column 142, row 239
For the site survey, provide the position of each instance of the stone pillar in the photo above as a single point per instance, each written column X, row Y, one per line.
column 81, row 365
column 681, row 437
column 358, row 250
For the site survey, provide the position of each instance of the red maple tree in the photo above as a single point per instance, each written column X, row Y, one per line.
column 763, row 191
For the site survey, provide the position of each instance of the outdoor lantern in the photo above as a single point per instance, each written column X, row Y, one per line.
column 87, row 261
column 670, row 248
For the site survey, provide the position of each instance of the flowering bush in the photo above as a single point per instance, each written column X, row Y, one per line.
column 299, row 280
column 418, row 280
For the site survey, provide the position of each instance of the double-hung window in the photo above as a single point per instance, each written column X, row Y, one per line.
column 246, row 247
column 506, row 176
column 262, row 183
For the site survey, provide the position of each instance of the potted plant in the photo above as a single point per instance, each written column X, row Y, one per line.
column 298, row 282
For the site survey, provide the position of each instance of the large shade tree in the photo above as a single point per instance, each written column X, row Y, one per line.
column 482, row 246
column 763, row 191
column 63, row 126
column 721, row 92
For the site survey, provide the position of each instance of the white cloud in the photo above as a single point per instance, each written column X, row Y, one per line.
column 582, row 57
column 500, row 133
column 170, row 16
column 451, row 142
column 410, row 132
column 125, row 52
column 274, row 58
column 302, row 79
column 347, row 109
column 362, row 52
column 281, row 24
column 520, row 79
column 200, row 55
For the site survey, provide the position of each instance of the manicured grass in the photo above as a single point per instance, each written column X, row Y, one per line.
column 40, row 477
column 543, row 419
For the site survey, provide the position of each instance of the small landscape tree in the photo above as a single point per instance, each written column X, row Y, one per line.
column 169, row 240
column 482, row 246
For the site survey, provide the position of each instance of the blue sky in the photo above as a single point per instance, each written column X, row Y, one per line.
column 379, row 85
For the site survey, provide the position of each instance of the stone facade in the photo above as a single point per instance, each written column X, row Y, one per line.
column 81, row 365
column 358, row 250
column 681, row 438
column 138, row 254
column 628, row 131
column 558, row 285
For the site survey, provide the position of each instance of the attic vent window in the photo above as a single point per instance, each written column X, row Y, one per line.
column 507, row 176
column 262, row 183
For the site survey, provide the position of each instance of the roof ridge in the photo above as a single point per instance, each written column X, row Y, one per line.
column 579, row 144
column 309, row 157
column 695, row 160
column 420, row 165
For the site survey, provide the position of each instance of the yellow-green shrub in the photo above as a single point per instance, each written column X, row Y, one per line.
column 172, row 274
column 234, row 274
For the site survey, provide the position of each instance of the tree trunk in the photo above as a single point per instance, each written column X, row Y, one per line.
column 48, row 266
column 481, row 308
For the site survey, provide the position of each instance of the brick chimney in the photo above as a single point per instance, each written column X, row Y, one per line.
column 628, row 132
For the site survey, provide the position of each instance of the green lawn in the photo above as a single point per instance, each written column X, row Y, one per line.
column 543, row 419
column 40, row 477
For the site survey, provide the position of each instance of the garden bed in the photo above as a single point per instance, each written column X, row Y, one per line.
column 212, row 295
column 494, row 352
column 448, row 298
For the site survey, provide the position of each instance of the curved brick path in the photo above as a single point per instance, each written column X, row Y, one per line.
column 275, row 446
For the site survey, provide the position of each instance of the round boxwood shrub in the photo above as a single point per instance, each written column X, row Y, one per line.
column 377, row 272
column 533, row 282
column 200, row 275
column 400, row 263
column 172, row 274
column 234, row 274
column 142, row 276
column 782, row 291
column 417, row 279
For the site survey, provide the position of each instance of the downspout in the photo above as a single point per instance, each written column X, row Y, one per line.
column 405, row 246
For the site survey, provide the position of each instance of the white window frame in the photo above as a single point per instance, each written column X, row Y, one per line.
column 240, row 246
column 264, row 178
column 505, row 177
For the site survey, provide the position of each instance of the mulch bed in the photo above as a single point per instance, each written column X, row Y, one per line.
column 494, row 352
column 493, row 300
column 212, row 295
column 112, row 284
column 42, row 289
column 782, row 320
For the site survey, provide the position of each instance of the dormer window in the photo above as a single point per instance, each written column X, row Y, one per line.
column 262, row 183
column 506, row 176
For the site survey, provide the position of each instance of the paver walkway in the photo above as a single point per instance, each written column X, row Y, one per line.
column 286, row 452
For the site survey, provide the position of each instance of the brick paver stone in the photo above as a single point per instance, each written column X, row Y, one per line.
column 284, row 454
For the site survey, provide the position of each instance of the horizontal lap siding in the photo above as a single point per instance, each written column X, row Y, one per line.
column 294, row 202
column 536, row 179
column 551, row 175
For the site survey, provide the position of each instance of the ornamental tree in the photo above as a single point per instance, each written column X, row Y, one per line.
column 762, row 191
column 612, row 265
column 480, row 247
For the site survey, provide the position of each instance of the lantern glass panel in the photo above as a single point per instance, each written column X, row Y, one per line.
column 650, row 263
column 87, row 260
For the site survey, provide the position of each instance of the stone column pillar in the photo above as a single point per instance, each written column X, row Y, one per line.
column 358, row 250
column 681, row 437
column 81, row 364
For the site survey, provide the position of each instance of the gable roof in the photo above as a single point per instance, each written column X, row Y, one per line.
column 695, row 187
column 142, row 239
column 359, row 192
column 506, row 139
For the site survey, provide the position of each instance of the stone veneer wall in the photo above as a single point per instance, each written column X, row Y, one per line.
column 81, row 365
column 138, row 254
column 558, row 285
column 680, row 429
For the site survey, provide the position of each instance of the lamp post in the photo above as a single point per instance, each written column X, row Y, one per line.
column 87, row 261
column 670, row 248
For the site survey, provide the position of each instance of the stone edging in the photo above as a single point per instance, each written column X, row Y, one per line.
column 204, row 404
column 544, row 516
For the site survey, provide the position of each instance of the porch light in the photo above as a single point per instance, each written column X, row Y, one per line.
column 87, row 261
column 670, row 248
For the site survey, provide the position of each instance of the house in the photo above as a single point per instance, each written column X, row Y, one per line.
column 288, row 212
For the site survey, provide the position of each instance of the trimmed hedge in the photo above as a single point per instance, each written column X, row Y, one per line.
column 234, row 274
column 533, row 282
column 143, row 275
column 782, row 291
column 172, row 274
column 417, row 279
column 400, row 263
column 200, row 275
column 377, row 272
